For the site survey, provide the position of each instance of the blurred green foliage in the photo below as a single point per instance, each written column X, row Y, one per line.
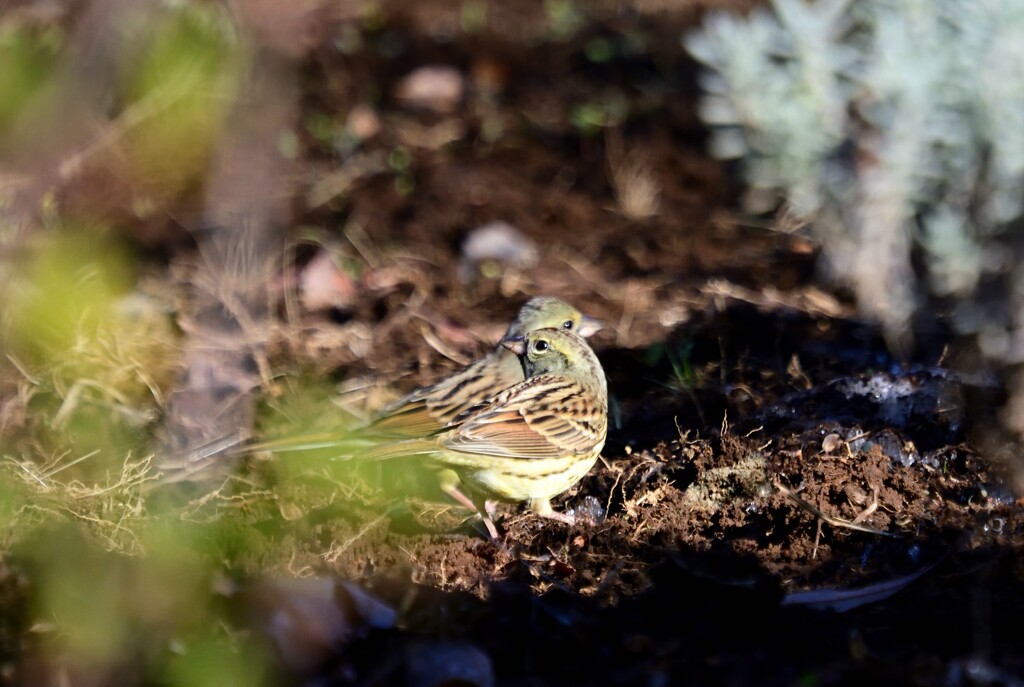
column 65, row 292
column 216, row 662
column 564, row 18
column 593, row 117
column 315, row 459
column 122, row 577
column 178, row 96
column 28, row 59
column 153, row 615
column 599, row 50
column 94, row 357
column 473, row 15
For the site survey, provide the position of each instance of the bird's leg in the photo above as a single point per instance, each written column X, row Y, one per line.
column 451, row 487
column 542, row 507
column 492, row 530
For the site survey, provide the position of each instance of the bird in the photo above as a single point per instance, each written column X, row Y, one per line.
column 430, row 409
column 529, row 442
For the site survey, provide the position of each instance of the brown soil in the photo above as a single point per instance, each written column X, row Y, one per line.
column 721, row 497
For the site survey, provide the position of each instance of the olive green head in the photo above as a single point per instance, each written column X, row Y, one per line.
column 558, row 352
column 543, row 312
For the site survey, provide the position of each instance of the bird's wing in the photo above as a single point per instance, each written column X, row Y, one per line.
column 410, row 417
column 549, row 416
column 427, row 410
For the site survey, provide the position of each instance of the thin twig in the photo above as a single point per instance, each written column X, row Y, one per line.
column 818, row 513
column 871, row 508
column 335, row 552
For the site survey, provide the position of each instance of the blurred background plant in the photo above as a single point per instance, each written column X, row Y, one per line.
column 893, row 133
column 107, row 123
column 894, row 129
column 146, row 186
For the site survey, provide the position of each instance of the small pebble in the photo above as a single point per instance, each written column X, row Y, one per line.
column 497, row 243
column 434, row 87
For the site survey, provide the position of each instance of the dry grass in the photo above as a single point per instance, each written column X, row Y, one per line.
column 110, row 508
column 75, row 410
column 634, row 178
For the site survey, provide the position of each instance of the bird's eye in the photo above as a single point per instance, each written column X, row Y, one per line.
column 541, row 346
column 567, row 324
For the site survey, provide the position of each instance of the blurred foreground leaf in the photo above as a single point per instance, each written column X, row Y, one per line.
column 26, row 63
column 90, row 358
column 179, row 95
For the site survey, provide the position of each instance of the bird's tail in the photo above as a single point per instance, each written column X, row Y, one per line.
column 347, row 444
column 406, row 448
column 341, row 445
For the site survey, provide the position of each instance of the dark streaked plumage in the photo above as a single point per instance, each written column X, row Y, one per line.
column 431, row 408
column 535, row 439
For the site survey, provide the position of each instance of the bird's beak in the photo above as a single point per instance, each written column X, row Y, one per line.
column 516, row 344
column 590, row 326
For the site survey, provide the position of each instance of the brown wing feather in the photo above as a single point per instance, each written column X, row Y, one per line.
column 548, row 416
column 429, row 409
column 411, row 419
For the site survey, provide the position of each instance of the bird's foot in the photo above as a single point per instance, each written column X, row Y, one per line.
column 542, row 507
column 486, row 511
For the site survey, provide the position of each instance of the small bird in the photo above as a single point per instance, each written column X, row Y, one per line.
column 531, row 441
column 433, row 407
column 430, row 409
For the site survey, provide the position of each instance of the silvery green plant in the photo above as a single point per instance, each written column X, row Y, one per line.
column 885, row 125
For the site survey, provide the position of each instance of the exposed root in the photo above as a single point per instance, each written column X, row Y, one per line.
column 831, row 520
